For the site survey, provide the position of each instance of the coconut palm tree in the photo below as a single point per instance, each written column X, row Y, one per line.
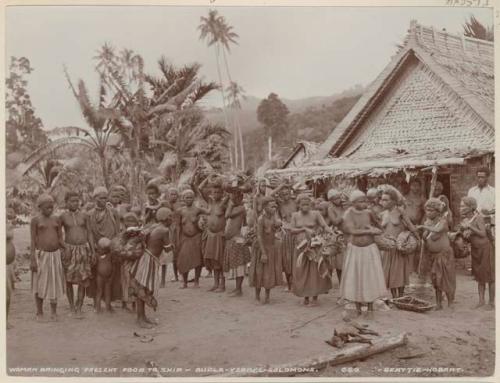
column 94, row 137
column 235, row 93
column 474, row 28
column 211, row 29
column 189, row 141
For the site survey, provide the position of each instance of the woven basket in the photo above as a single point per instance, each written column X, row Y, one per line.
column 385, row 242
column 406, row 243
column 461, row 248
column 412, row 304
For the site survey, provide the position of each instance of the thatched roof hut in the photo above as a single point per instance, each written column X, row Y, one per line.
column 433, row 105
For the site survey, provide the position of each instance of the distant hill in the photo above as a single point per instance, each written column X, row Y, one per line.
column 312, row 123
column 248, row 113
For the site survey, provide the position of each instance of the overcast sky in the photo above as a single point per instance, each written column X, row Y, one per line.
column 296, row 52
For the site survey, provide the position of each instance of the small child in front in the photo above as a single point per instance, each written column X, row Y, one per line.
column 104, row 274
column 47, row 281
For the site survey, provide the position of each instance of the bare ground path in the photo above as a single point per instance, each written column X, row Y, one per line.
column 205, row 330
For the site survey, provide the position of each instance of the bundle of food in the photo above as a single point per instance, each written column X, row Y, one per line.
column 385, row 242
column 406, row 242
column 461, row 246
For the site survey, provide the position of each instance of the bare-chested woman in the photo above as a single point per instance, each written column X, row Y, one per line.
column 80, row 254
column 438, row 254
column 363, row 277
column 266, row 266
column 216, row 223
column 189, row 255
column 47, row 281
column 236, row 253
column 307, row 280
column 145, row 273
column 396, row 265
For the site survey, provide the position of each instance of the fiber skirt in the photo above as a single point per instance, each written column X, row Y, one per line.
column 235, row 255
column 443, row 271
column 48, row 282
column 362, row 277
column 270, row 274
column 288, row 249
column 77, row 263
column 483, row 263
column 309, row 278
column 189, row 255
column 396, row 268
column 214, row 251
column 145, row 279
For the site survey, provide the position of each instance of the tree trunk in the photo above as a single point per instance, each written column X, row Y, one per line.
column 237, row 128
column 233, row 156
column 104, row 168
column 240, row 136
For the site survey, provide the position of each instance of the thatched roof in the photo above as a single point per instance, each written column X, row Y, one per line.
column 375, row 166
column 437, row 91
column 307, row 148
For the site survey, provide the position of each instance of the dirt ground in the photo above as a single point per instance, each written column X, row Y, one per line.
column 201, row 333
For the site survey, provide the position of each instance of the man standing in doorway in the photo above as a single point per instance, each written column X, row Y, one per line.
column 483, row 193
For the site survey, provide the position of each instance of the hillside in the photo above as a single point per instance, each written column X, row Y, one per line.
column 311, row 124
column 248, row 113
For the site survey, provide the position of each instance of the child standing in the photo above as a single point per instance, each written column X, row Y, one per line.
column 104, row 278
column 438, row 254
column 363, row 277
column 104, row 222
column 266, row 266
column 47, row 281
column 152, row 205
column 127, row 248
column 145, row 274
column 79, row 254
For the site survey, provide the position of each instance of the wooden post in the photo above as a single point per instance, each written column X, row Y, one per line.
column 270, row 147
column 433, row 181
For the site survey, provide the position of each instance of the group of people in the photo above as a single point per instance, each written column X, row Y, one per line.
column 268, row 235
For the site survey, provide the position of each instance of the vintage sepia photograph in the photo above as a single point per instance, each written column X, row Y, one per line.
column 221, row 191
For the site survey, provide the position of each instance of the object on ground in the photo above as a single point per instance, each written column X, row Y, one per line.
column 412, row 304
column 350, row 333
column 333, row 358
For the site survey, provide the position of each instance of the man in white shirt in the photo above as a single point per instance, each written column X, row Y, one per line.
column 483, row 193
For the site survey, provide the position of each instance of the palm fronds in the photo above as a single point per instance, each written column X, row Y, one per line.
column 45, row 151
